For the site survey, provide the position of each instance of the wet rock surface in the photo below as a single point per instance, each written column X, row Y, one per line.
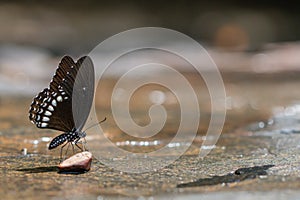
column 255, row 156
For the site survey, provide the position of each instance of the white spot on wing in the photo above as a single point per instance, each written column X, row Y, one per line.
column 54, row 103
column 44, row 125
column 46, row 119
column 50, row 108
column 47, row 113
column 59, row 99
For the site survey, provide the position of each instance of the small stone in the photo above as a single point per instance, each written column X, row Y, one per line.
column 80, row 162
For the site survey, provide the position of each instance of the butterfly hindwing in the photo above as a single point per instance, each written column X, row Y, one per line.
column 52, row 110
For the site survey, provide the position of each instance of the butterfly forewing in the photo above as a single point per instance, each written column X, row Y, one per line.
column 52, row 108
column 64, row 76
column 83, row 91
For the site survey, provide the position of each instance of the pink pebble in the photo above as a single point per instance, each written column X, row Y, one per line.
column 79, row 162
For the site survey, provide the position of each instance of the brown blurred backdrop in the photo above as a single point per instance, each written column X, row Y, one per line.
column 77, row 26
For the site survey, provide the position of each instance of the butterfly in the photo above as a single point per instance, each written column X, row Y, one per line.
column 66, row 103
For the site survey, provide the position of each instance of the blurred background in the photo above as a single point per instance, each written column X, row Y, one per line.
column 261, row 36
column 255, row 45
column 76, row 26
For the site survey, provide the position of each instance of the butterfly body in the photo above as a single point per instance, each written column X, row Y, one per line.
column 66, row 103
column 69, row 137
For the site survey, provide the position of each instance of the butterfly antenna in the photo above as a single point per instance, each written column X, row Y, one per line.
column 96, row 124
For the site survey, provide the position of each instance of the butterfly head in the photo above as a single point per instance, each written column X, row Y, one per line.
column 81, row 134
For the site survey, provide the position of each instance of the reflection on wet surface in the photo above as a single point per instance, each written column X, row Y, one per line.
column 258, row 150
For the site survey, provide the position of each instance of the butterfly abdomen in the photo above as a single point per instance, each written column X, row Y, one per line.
column 58, row 141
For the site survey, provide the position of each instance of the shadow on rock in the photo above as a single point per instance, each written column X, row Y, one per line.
column 238, row 176
column 39, row 169
column 49, row 169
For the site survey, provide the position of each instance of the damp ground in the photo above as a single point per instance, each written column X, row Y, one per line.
column 256, row 156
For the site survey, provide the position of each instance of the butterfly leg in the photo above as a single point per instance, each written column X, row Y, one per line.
column 76, row 143
column 66, row 152
column 61, row 150
column 79, row 147
column 84, row 144
column 73, row 148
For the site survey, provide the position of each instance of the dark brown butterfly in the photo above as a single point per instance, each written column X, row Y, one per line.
column 66, row 103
